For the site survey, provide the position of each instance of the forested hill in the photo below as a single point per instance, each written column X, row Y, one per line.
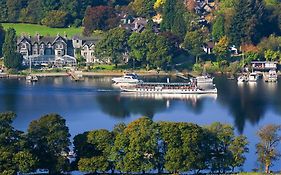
column 64, row 12
column 249, row 26
column 241, row 20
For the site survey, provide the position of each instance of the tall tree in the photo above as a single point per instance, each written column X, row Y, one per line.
column 12, row 59
column 137, row 146
column 49, row 141
column 267, row 147
column 172, row 146
column 143, row 7
column 223, row 141
column 99, row 18
column 9, row 143
column 102, row 141
column 113, row 45
column 2, row 39
column 246, row 22
column 193, row 43
column 218, row 28
column 221, row 49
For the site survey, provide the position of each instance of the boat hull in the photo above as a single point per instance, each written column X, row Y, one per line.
column 171, row 91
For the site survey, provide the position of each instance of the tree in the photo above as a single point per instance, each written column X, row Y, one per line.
column 193, row 43
column 271, row 55
column 135, row 149
column 2, row 39
column 99, row 18
column 195, row 148
column 4, row 11
column 9, row 143
column 159, row 53
column 173, row 17
column 159, row 4
column 25, row 161
column 94, row 164
column 221, row 49
column 138, row 46
column 113, row 45
column 170, row 134
column 55, row 18
column 150, row 49
column 143, row 7
column 49, row 140
column 13, row 7
column 12, row 59
column 33, row 13
column 218, row 28
column 227, row 150
column 238, row 148
column 267, row 147
column 246, row 22
column 168, row 14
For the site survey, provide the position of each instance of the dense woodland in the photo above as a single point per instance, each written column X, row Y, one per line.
column 252, row 26
column 140, row 146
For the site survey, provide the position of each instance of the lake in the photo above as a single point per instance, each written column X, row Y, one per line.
column 95, row 104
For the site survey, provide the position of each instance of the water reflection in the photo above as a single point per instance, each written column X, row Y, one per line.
column 247, row 102
column 9, row 94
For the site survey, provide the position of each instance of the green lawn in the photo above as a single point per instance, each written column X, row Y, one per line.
column 33, row 29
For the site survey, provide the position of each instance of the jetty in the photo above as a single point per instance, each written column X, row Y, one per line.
column 181, row 75
column 76, row 75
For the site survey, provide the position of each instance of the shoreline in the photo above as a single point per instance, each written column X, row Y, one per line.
column 89, row 74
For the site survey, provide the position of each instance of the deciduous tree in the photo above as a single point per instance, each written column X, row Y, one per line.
column 49, row 141
column 267, row 147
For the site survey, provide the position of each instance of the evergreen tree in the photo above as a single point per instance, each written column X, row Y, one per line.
column 246, row 22
column 168, row 14
column 4, row 11
column 218, row 28
column 12, row 59
column 2, row 39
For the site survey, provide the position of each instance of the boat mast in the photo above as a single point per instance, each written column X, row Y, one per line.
column 29, row 65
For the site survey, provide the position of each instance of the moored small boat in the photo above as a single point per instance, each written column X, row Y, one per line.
column 272, row 76
column 31, row 78
column 242, row 79
column 253, row 77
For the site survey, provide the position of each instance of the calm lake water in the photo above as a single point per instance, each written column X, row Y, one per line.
column 95, row 104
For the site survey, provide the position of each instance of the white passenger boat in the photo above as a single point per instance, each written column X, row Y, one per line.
column 204, row 79
column 127, row 78
column 168, row 88
column 271, row 77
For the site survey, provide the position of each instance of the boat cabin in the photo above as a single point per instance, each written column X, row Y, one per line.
column 264, row 65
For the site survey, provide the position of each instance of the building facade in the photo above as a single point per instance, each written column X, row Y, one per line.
column 58, row 51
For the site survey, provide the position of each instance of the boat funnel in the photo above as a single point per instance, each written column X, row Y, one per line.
column 168, row 80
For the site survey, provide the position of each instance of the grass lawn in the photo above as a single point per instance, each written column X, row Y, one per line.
column 33, row 29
